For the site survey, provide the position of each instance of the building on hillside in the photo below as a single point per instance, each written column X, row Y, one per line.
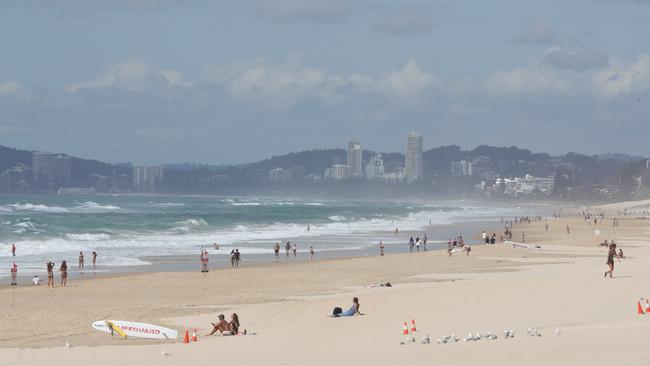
column 413, row 159
column 375, row 168
column 50, row 168
column 279, row 175
column 525, row 186
column 145, row 177
column 355, row 159
column 337, row 172
column 462, row 168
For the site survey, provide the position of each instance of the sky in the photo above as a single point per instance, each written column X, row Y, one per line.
column 166, row 81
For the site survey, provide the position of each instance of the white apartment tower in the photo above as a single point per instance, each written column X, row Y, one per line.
column 413, row 163
column 354, row 159
column 375, row 167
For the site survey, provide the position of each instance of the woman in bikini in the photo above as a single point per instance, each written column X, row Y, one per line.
column 64, row 273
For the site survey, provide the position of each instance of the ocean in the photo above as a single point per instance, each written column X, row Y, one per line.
column 128, row 231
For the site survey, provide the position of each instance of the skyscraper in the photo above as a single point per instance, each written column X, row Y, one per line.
column 413, row 163
column 51, row 168
column 354, row 159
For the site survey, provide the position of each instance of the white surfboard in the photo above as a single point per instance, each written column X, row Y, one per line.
column 139, row 330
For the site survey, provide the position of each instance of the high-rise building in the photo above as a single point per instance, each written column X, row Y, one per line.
column 51, row 168
column 462, row 168
column 375, row 167
column 279, row 175
column 145, row 177
column 354, row 159
column 413, row 161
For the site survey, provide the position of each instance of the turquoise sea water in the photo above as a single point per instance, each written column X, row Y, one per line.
column 125, row 229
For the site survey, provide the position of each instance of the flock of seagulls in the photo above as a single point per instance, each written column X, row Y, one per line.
column 477, row 336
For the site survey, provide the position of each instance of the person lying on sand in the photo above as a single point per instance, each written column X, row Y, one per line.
column 352, row 311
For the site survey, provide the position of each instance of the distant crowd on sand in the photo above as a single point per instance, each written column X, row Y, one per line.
column 49, row 266
column 289, row 249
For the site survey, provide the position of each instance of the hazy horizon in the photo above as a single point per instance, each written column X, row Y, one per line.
column 225, row 82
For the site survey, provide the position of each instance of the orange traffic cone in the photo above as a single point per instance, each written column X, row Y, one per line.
column 413, row 326
column 639, row 309
column 186, row 339
column 195, row 338
column 406, row 329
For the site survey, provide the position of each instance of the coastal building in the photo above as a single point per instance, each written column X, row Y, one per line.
column 462, row 168
column 279, row 175
column 337, row 172
column 525, row 186
column 397, row 175
column 354, row 158
column 375, row 168
column 145, row 177
column 413, row 160
column 51, row 168
column 15, row 179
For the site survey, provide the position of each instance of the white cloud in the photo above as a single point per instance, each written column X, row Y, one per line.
column 527, row 80
column 132, row 74
column 624, row 77
column 11, row 88
column 408, row 83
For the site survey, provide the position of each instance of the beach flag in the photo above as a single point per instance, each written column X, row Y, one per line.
column 406, row 329
column 186, row 339
column 639, row 309
column 195, row 338
column 413, row 326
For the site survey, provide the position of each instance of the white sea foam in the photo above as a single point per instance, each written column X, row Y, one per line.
column 245, row 203
column 313, row 203
column 88, row 237
column 94, row 206
column 337, row 218
column 167, row 204
column 37, row 208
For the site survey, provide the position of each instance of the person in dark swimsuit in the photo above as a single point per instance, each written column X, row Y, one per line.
column 50, row 274
column 64, row 273
column 610, row 259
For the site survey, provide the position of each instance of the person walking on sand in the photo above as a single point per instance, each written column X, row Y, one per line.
column 64, row 273
column 81, row 261
column 568, row 231
column 50, row 274
column 311, row 254
column 287, row 248
column 610, row 259
column 381, row 249
column 94, row 259
column 546, row 226
column 13, row 250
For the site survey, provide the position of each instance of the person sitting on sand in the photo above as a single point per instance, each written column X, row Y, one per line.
column 220, row 326
column 353, row 310
column 620, row 253
column 234, row 324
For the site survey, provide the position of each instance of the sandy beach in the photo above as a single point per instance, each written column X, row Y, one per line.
column 557, row 288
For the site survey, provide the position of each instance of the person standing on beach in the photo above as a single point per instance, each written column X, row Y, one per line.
column 81, row 260
column 232, row 258
column 50, row 274
column 64, row 273
column 546, row 226
column 295, row 249
column 396, row 231
column 417, row 244
column 381, row 249
column 424, row 243
column 94, row 259
column 610, row 259
column 567, row 230
column 13, row 250
column 311, row 254
column 287, row 248
column 276, row 249
column 411, row 244
column 237, row 257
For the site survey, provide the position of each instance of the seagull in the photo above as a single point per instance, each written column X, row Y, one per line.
column 165, row 354
column 68, row 346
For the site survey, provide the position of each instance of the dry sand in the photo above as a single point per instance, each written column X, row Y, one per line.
column 559, row 286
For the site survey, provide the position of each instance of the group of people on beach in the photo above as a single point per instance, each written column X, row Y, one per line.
column 49, row 267
column 289, row 249
column 224, row 327
column 457, row 243
column 417, row 243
